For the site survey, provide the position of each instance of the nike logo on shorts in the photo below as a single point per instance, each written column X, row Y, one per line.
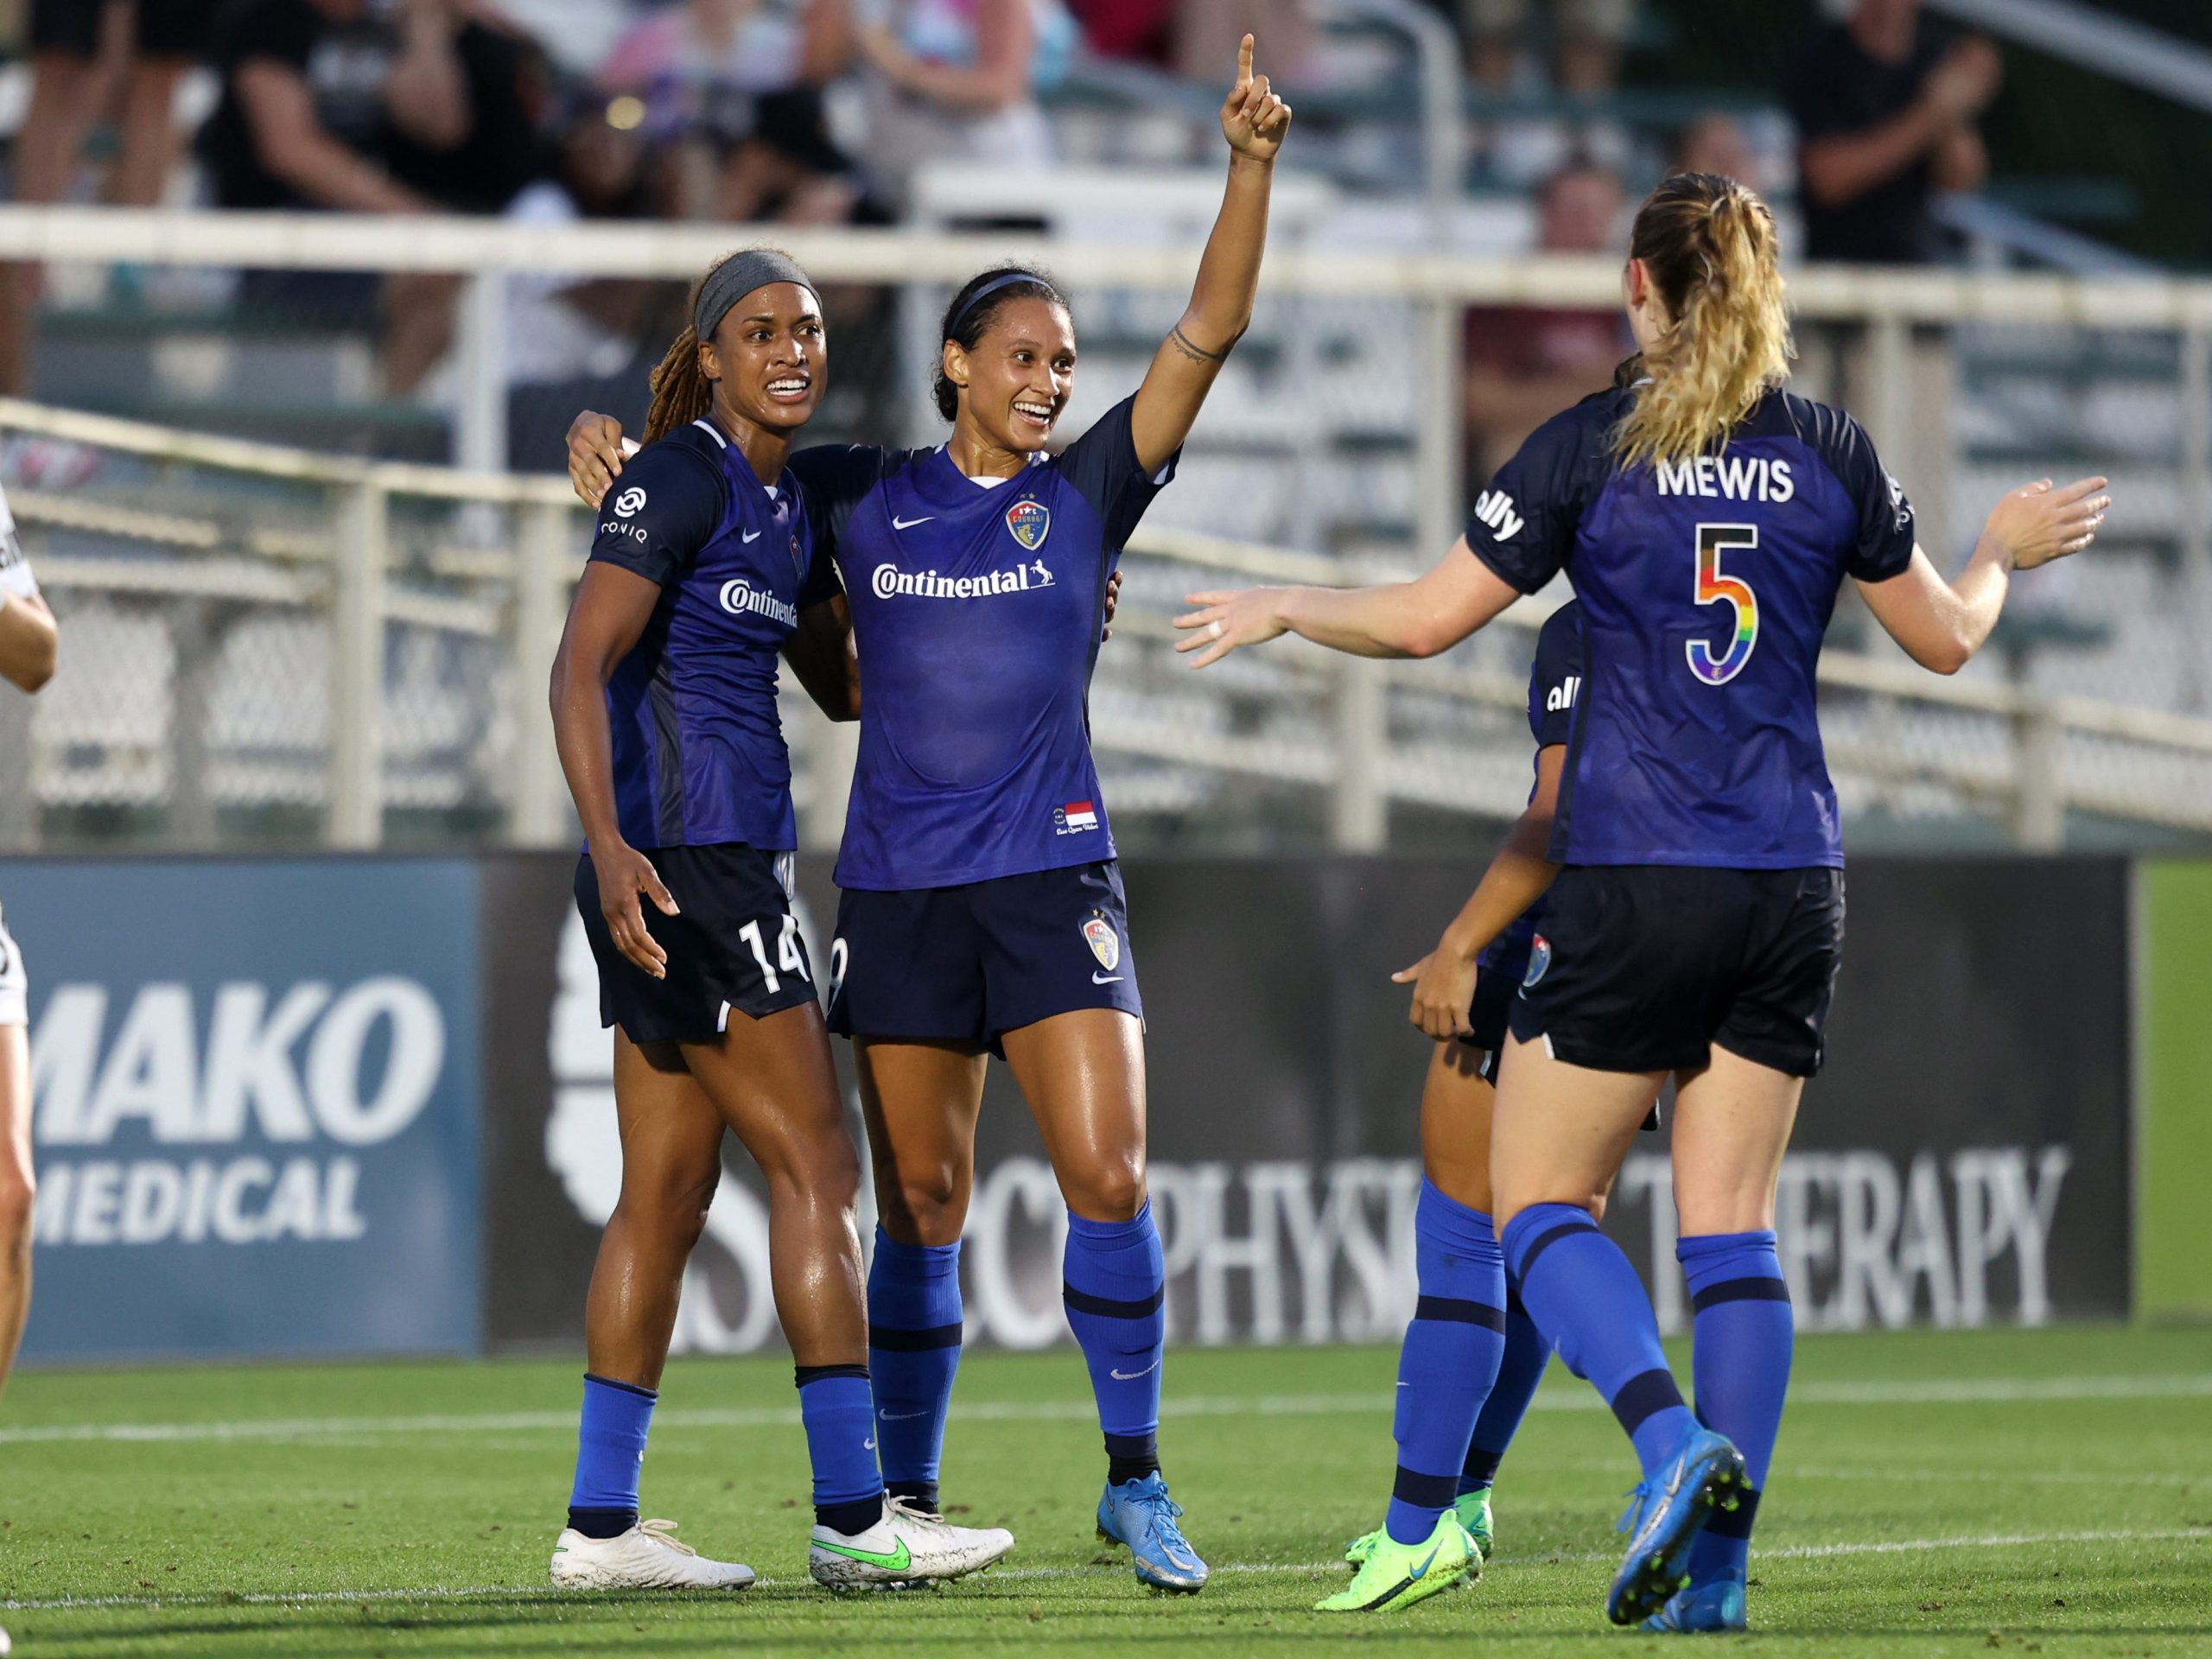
column 1106, row 979
column 750, row 535
column 897, row 523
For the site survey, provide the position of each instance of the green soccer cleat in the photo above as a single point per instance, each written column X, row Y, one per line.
column 1473, row 1510
column 1398, row 1575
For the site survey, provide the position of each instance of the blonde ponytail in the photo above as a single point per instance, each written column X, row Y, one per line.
column 1708, row 246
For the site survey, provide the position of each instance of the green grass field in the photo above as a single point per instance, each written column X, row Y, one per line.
column 1936, row 1493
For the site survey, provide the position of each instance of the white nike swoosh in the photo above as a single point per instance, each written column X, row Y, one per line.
column 901, row 1416
column 897, row 523
column 1106, row 979
column 750, row 535
column 867, row 1445
column 1131, row 1377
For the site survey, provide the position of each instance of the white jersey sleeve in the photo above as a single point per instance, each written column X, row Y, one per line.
column 14, row 569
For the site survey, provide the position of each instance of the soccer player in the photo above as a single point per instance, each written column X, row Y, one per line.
column 983, row 911
column 1708, row 519
column 703, row 571
column 1472, row 1357
column 29, row 642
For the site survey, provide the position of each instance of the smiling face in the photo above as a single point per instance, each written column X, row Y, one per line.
column 1015, row 383
column 770, row 357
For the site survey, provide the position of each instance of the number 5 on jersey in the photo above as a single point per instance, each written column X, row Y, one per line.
column 1715, row 588
column 788, row 956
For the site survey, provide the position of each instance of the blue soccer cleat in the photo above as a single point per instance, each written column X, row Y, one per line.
column 1139, row 1513
column 1666, row 1512
column 1713, row 1607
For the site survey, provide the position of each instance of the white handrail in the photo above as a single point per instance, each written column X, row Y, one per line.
column 346, row 242
column 2092, row 37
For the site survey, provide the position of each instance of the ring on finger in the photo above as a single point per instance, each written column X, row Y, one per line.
column 1213, row 630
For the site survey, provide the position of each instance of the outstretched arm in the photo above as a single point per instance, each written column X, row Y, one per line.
column 1941, row 624
column 1521, row 873
column 1254, row 120
column 1431, row 614
column 29, row 642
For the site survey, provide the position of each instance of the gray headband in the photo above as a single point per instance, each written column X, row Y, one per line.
column 1008, row 280
column 737, row 277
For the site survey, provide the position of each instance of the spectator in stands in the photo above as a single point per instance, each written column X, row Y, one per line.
column 78, row 50
column 1714, row 143
column 734, row 88
column 342, row 105
column 1588, row 37
column 1526, row 363
column 957, row 81
column 1885, row 104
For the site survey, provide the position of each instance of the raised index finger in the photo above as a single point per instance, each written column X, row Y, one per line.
column 1245, row 61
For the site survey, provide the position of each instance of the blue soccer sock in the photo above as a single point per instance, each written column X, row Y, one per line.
column 839, row 1411
column 913, row 1341
column 1519, row 1371
column 1744, row 1332
column 1113, row 1285
column 1583, row 1295
column 610, row 1450
column 1449, row 1358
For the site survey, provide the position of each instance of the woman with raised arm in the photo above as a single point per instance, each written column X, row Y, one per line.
column 983, row 910
column 1707, row 519
column 704, row 570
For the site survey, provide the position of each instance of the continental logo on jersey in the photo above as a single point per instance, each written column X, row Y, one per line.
column 1031, row 521
column 1495, row 508
column 1729, row 478
column 1105, row 943
column 740, row 596
column 889, row 582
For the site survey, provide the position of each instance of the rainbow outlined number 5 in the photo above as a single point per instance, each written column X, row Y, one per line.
column 1713, row 588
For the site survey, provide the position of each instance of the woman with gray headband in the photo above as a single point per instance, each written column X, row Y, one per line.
column 703, row 572
column 983, row 910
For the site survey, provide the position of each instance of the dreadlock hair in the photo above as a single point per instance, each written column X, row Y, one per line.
column 682, row 392
column 1708, row 244
column 967, row 320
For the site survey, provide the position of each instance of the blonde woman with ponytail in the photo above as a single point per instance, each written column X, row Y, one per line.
column 1707, row 518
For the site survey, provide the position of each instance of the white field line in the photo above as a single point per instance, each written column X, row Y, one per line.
column 1929, row 1391
column 524, row 1597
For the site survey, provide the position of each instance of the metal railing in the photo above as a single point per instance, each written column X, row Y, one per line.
column 1353, row 742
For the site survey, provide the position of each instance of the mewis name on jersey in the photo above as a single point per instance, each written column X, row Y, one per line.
column 1728, row 478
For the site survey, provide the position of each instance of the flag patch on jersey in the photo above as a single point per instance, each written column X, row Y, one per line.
column 1029, row 521
column 1105, row 943
column 1075, row 817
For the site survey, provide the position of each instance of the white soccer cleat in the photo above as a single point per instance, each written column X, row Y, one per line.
column 644, row 1558
column 907, row 1545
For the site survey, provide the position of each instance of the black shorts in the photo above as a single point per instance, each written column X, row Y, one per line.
column 967, row 964
column 736, row 945
column 1487, row 1017
column 1643, row 968
column 165, row 29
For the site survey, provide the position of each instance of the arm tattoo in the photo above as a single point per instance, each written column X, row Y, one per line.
column 1198, row 353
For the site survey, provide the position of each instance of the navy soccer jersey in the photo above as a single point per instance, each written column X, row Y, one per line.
column 976, row 608
column 1554, row 683
column 1706, row 589
column 699, row 753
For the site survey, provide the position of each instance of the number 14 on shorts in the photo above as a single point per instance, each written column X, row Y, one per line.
column 789, row 957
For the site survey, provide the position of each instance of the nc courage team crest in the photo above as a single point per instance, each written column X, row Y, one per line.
column 1029, row 521
column 1105, row 943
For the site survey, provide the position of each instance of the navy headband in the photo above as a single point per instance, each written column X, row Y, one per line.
column 990, row 288
column 737, row 277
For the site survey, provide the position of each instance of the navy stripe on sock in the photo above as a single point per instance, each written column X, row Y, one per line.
column 1543, row 1242
column 1106, row 1308
column 601, row 1524
column 803, row 1375
column 1512, row 1302
column 914, row 1341
column 1131, row 1446
column 1643, row 1395
column 1761, row 1289
column 1482, row 1465
column 627, row 1387
column 1424, row 1492
column 1736, row 1522
column 1459, row 1312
